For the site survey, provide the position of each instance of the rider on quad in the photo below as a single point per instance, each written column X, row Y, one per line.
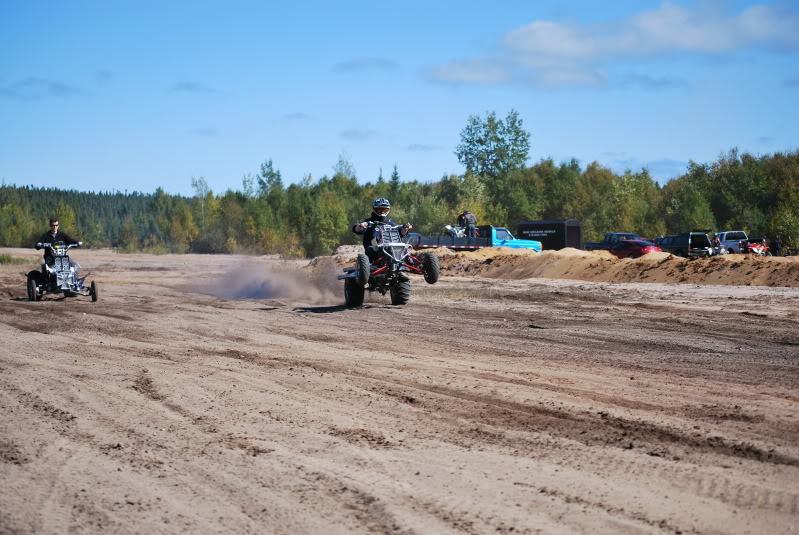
column 52, row 236
column 380, row 209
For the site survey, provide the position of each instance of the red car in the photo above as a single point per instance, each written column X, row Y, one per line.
column 634, row 248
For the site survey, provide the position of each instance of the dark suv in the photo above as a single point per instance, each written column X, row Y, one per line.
column 687, row 244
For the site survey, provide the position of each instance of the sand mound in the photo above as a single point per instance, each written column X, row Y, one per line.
column 601, row 266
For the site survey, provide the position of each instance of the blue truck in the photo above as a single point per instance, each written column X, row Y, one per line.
column 488, row 236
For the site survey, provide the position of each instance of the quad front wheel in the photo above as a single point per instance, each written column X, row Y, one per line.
column 33, row 292
column 353, row 293
column 431, row 268
column 93, row 291
column 363, row 269
column 401, row 293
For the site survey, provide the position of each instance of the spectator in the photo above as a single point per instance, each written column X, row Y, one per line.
column 776, row 246
column 468, row 221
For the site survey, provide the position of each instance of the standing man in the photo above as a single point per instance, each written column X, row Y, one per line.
column 468, row 221
column 51, row 236
column 776, row 246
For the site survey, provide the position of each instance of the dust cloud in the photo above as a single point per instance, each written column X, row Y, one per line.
column 313, row 284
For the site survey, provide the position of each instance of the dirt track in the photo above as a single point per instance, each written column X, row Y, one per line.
column 484, row 406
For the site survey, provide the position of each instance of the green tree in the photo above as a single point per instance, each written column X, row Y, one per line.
column 17, row 228
column 637, row 198
column 785, row 225
column 66, row 218
column 686, row 208
column 491, row 147
column 394, row 185
column 593, row 202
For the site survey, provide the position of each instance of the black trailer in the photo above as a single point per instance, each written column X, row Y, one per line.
column 553, row 234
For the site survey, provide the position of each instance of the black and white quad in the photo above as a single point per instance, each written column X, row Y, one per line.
column 60, row 276
column 389, row 272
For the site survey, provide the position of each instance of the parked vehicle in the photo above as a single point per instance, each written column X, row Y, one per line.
column 611, row 239
column 731, row 240
column 388, row 273
column 553, row 234
column 687, row 244
column 489, row 237
column 756, row 246
column 633, row 248
column 60, row 277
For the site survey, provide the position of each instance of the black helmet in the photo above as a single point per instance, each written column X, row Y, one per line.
column 380, row 208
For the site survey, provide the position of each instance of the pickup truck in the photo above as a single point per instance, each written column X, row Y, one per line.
column 611, row 239
column 488, row 236
column 731, row 240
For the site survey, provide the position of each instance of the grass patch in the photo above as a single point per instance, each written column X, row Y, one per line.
column 8, row 259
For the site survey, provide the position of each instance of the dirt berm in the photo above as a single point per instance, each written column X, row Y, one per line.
column 601, row 266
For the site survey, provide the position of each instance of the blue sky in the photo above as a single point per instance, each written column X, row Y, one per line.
column 98, row 95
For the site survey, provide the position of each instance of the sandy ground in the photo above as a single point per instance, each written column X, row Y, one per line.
column 224, row 394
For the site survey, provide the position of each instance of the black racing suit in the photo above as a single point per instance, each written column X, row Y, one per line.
column 369, row 234
column 49, row 237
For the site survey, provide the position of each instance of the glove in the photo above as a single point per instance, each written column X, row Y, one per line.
column 38, row 246
column 80, row 244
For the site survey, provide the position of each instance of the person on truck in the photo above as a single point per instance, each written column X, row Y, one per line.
column 468, row 221
column 380, row 210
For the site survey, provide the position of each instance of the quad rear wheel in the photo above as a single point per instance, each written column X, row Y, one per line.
column 353, row 293
column 401, row 293
column 431, row 268
column 33, row 292
column 363, row 269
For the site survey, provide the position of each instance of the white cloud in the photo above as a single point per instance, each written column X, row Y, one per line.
column 358, row 134
column 554, row 54
column 667, row 29
column 476, row 71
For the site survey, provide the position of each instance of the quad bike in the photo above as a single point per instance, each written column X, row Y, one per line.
column 389, row 272
column 458, row 232
column 61, row 276
column 455, row 232
column 756, row 247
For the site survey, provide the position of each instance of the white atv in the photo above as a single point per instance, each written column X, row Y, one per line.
column 60, row 276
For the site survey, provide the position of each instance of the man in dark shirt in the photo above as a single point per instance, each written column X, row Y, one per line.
column 52, row 236
column 776, row 246
column 380, row 209
column 468, row 221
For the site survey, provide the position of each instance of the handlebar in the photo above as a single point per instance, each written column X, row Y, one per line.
column 40, row 245
column 367, row 224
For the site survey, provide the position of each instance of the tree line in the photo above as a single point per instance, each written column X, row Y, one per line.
column 739, row 191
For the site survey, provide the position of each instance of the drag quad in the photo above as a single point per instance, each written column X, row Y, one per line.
column 455, row 232
column 61, row 276
column 389, row 272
